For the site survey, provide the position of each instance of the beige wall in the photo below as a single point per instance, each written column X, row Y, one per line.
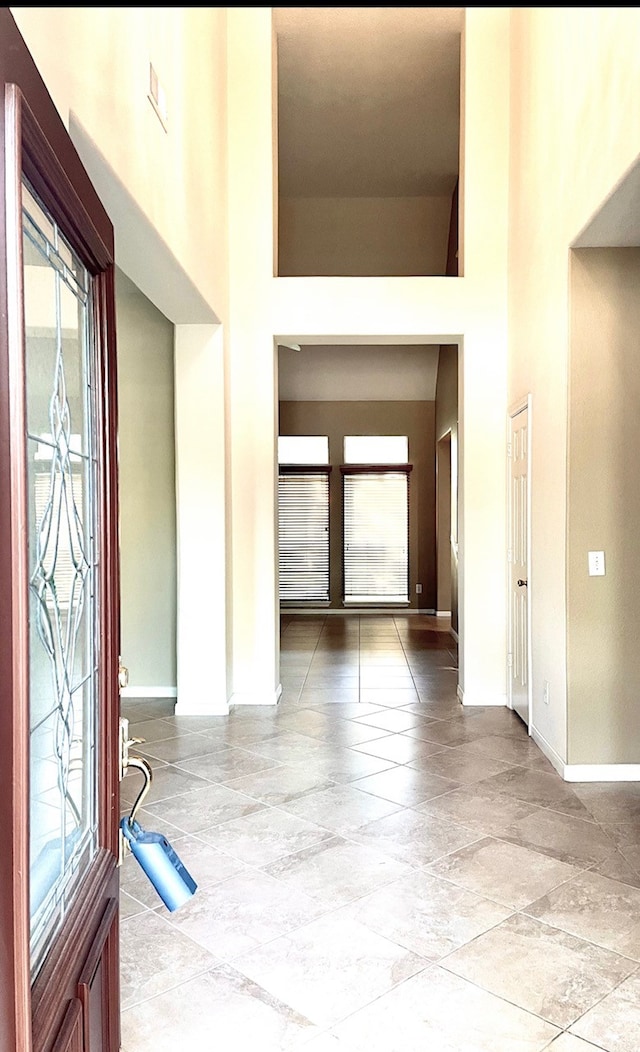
column 166, row 193
column 165, row 190
column 549, row 128
column 381, row 373
column 447, row 421
column 363, row 235
column 203, row 252
column 575, row 82
column 147, row 489
column 603, row 658
column 414, row 419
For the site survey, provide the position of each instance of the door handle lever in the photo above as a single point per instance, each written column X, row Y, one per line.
column 144, row 766
column 522, row 584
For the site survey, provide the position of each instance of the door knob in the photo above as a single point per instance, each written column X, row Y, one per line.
column 522, row 584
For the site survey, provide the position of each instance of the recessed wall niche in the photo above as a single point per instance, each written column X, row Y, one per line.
column 368, row 140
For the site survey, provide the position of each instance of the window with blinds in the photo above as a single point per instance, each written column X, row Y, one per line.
column 376, row 520
column 303, row 533
column 303, row 518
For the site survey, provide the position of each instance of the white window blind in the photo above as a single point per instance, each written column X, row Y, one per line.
column 303, row 533
column 376, row 535
column 64, row 511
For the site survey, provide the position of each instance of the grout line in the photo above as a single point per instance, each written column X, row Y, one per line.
column 582, row 867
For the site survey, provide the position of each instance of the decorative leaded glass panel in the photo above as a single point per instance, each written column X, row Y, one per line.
column 62, row 567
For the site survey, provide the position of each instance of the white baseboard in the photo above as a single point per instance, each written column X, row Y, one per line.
column 256, row 698
column 548, row 750
column 587, row 772
column 149, row 692
column 443, row 613
column 201, row 710
column 483, row 700
column 355, row 610
column 602, row 772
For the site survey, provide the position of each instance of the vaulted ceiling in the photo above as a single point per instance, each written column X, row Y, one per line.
column 368, row 100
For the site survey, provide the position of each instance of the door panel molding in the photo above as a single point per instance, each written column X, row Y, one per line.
column 98, row 972
column 14, row 655
column 107, row 427
column 58, row 978
column 71, row 1036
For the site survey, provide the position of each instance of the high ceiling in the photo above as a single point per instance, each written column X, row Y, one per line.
column 368, row 106
column 382, row 373
column 368, row 100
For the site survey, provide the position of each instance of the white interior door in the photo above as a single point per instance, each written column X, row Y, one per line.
column 518, row 559
column 443, row 524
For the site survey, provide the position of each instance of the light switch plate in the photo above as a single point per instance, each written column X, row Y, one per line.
column 596, row 564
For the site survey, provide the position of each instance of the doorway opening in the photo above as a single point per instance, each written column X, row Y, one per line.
column 407, row 392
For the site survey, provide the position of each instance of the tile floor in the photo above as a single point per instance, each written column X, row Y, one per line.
column 379, row 869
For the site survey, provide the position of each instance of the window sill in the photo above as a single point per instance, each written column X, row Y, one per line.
column 373, row 602
column 318, row 604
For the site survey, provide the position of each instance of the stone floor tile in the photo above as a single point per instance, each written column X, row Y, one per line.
column 329, row 968
column 427, row 915
column 506, row 873
column 336, row 871
column 154, row 957
column 516, row 958
column 220, row 1009
column 243, row 912
column 614, row 1023
column 595, row 908
column 437, row 1010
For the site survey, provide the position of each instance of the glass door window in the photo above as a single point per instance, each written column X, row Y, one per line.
column 63, row 559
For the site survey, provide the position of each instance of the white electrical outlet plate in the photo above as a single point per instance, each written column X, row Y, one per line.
column 596, row 564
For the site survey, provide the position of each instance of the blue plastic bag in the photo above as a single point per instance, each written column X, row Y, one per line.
column 164, row 868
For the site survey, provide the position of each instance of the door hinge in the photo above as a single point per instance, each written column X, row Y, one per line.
column 509, row 449
column 509, row 660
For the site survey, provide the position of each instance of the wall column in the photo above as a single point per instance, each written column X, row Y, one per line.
column 252, row 394
column 201, row 520
column 482, row 551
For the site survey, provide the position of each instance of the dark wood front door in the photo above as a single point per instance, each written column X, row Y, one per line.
column 59, row 596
